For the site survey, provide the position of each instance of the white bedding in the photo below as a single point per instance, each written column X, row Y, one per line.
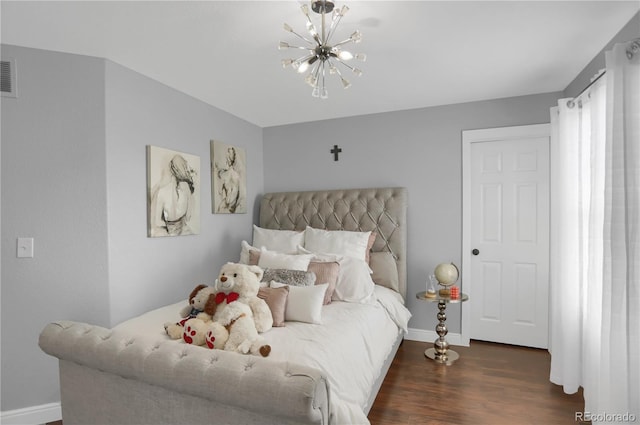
column 350, row 345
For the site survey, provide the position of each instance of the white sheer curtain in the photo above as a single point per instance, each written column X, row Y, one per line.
column 595, row 241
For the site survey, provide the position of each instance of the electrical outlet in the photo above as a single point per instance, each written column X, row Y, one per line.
column 25, row 248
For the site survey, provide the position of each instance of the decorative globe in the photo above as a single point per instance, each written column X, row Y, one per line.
column 446, row 273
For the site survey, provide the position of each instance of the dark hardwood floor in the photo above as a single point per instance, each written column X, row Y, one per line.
column 491, row 384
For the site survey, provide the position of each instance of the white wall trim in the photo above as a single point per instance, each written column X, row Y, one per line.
column 34, row 415
column 422, row 335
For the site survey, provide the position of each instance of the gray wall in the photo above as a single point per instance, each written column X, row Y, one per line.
column 53, row 181
column 419, row 149
column 628, row 32
column 146, row 272
column 74, row 178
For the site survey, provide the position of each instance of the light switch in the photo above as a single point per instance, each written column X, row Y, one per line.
column 25, row 248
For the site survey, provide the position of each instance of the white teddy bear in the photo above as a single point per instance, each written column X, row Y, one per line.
column 239, row 309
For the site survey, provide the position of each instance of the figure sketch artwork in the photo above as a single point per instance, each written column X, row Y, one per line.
column 173, row 189
column 228, row 178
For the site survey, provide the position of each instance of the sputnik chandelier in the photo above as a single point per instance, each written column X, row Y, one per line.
column 322, row 57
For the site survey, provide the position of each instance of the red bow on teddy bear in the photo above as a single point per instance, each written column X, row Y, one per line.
column 231, row 297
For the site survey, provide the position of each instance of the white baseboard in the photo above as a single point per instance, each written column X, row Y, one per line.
column 34, row 415
column 422, row 335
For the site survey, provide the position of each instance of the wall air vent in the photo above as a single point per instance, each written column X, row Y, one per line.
column 8, row 86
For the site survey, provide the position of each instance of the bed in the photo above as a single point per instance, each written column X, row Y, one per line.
column 316, row 373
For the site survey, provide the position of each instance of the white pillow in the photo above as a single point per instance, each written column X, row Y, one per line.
column 304, row 303
column 284, row 241
column 354, row 282
column 245, row 251
column 276, row 260
column 341, row 242
column 319, row 256
column 354, row 279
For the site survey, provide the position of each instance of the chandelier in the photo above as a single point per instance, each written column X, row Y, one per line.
column 321, row 57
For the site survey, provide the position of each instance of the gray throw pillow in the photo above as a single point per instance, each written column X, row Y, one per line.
column 290, row 277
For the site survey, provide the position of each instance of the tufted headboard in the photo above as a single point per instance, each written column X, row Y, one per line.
column 381, row 210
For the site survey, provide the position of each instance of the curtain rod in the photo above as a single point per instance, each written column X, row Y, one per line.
column 571, row 103
column 632, row 49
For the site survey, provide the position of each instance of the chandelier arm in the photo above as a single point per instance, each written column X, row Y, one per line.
column 310, row 49
column 335, row 68
column 345, row 83
column 303, row 38
column 316, row 72
column 345, row 41
column 313, row 34
column 316, row 38
column 334, row 26
column 305, row 58
column 342, row 62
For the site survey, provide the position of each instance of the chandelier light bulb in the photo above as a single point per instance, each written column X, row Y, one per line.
column 322, row 56
column 303, row 67
column 345, row 55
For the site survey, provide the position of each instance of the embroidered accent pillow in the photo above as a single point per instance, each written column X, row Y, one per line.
column 325, row 272
column 290, row 277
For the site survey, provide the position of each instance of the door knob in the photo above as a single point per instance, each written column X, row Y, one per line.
column 475, row 252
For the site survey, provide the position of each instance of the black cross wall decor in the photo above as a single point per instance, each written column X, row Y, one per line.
column 336, row 151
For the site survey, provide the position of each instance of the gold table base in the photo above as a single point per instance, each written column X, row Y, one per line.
column 440, row 353
column 447, row 358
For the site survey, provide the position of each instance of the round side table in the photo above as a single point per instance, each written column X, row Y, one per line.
column 440, row 352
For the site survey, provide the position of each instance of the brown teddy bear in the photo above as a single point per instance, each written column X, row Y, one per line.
column 196, row 326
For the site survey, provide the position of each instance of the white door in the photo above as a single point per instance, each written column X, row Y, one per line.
column 506, row 234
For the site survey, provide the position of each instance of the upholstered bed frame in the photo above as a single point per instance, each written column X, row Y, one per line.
column 110, row 377
column 380, row 210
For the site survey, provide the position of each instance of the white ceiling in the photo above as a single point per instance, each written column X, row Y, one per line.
column 420, row 53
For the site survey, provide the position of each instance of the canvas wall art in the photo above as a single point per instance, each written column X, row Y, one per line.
column 173, row 189
column 228, row 179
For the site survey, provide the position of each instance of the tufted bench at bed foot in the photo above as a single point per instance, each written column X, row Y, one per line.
column 175, row 382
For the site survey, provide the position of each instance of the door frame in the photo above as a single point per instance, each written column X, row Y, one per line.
column 477, row 136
